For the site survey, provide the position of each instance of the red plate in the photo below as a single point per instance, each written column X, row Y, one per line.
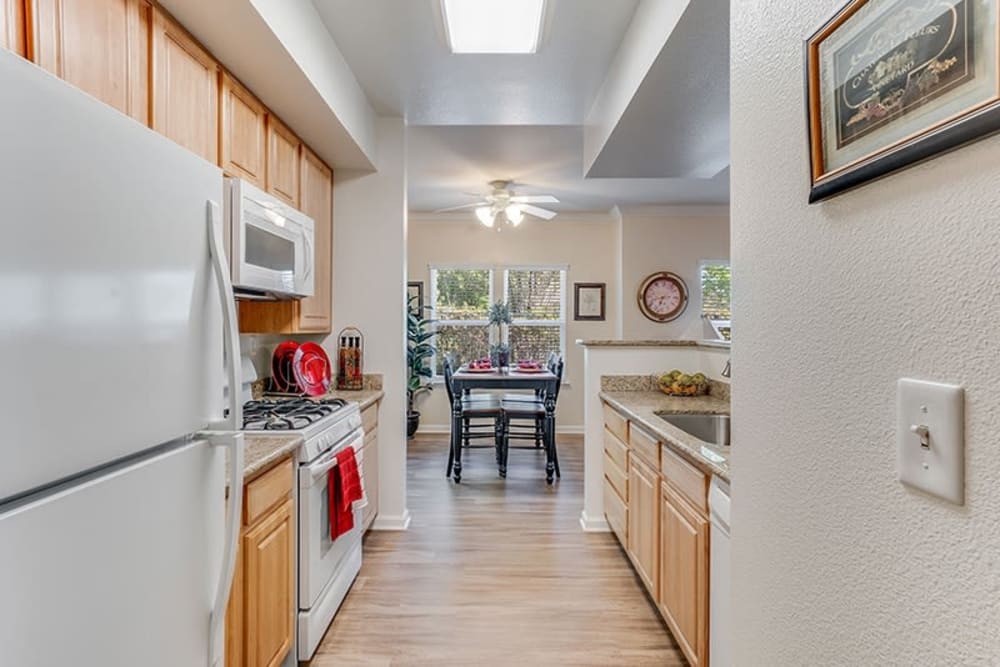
column 479, row 370
column 529, row 370
column 312, row 369
column 282, row 373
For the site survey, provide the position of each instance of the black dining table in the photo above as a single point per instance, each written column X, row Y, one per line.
column 543, row 382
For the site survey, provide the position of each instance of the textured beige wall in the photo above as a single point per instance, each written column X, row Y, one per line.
column 836, row 562
column 585, row 243
column 670, row 241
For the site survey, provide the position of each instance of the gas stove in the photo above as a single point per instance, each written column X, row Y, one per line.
column 321, row 422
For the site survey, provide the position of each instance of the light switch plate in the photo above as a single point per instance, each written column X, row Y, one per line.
column 939, row 467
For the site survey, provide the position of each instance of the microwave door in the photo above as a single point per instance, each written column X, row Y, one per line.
column 270, row 251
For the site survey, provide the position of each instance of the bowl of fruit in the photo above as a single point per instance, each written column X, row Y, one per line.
column 679, row 383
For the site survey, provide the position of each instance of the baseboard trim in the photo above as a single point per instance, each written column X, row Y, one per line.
column 399, row 522
column 444, row 429
column 592, row 525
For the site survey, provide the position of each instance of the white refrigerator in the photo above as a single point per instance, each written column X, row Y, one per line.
column 117, row 333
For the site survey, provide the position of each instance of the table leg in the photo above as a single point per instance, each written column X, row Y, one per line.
column 456, row 436
column 550, row 435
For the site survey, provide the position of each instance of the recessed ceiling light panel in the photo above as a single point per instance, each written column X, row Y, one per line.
column 493, row 26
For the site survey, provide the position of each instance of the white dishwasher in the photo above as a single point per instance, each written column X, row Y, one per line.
column 720, row 597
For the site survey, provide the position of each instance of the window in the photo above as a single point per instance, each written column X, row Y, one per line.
column 537, row 304
column 462, row 296
column 461, row 299
column 716, row 280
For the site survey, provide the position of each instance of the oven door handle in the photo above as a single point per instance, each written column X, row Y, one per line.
column 322, row 467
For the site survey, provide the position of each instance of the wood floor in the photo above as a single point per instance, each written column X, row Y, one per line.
column 495, row 572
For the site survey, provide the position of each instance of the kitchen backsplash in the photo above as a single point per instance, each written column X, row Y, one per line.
column 651, row 382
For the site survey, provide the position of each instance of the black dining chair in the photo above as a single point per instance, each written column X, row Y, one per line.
column 482, row 418
column 536, row 429
column 524, row 419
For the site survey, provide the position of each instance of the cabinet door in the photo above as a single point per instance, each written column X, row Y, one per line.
column 244, row 132
column 316, row 201
column 269, row 556
column 643, row 522
column 12, row 26
column 369, row 471
column 185, row 89
column 234, row 617
column 99, row 46
column 684, row 574
column 282, row 162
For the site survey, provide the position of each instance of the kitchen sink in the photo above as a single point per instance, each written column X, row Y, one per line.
column 708, row 427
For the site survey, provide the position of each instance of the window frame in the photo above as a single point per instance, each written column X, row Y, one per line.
column 485, row 323
column 701, row 296
column 561, row 322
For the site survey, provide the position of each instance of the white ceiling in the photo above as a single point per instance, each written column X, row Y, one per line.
column 476, row 118
column 399, row 53
column 447, row 161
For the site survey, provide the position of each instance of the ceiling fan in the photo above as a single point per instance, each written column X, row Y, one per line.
column 502, row 200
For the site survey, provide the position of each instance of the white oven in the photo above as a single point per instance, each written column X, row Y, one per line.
column 272, row 244
column 327, row 567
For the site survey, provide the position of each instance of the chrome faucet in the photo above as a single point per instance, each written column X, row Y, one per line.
column 727, row 371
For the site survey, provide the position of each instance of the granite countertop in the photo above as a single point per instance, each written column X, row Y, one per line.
column 364, row 397
column 642, row 407
column 653, row 343
column 262, row 449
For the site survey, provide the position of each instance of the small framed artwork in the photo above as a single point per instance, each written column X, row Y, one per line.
column 890, row 83
column 589, row 301
column 415, row 289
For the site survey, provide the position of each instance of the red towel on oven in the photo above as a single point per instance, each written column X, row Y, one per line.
column 344, row 488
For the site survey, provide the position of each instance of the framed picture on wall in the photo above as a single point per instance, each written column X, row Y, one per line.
column 415, row 288
column 890, row 83
column 589, row 302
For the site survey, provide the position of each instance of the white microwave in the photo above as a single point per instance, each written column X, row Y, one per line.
column 272, row 250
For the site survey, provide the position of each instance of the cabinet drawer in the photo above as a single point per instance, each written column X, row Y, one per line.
column 616, row 449
column 686, row 479
column 369, row 418
column 616, row 476
column 615, row 423
column 616, row 513
column 644, row 445
column 266, row 491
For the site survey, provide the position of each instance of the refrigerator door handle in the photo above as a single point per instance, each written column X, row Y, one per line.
column 220, row 266
column 228, row 435
column 234, row 509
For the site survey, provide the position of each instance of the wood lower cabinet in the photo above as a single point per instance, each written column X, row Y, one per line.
column 242, row 132
column 643, row 521
column 269, row 592
column 185, row 89
column 282, row 162
column 12, row 26
column 260, row 618
column 99, row 46
column 369, row 475
column 683, row 598
column 666, row 534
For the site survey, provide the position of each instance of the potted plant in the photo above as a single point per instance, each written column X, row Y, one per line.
column 500, row 317
column 419, row 350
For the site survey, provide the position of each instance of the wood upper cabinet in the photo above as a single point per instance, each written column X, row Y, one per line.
column 269, row 570
column 316, row 200
column 185, row 89
column 243, row 128
column 644, row 521
column 282, row 162
column 99, row 46
column 12, row 29
column 683, row 593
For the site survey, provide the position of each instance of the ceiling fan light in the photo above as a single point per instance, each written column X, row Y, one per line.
column 514, row 214
column 486, row 215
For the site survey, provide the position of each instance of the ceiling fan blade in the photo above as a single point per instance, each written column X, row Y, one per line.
column 542, row 213
column 534, row 199
column 459, row 208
